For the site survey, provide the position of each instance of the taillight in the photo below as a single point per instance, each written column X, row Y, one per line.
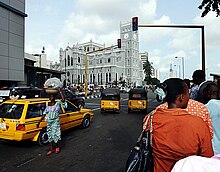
column 116, row 104
column 102, row 103
column 20, row 127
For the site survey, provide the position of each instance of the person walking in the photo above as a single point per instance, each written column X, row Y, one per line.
column 211, row 93
column 198, row 77
column 51, row 114
column 177, row 134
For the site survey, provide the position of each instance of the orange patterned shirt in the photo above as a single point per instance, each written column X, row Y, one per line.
column 198, row 109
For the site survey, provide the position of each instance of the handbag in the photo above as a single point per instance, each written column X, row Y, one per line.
column 141, row 156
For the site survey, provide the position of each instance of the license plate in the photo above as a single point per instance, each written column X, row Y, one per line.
column 2, row 125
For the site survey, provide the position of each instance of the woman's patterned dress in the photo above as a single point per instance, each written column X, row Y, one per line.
column 53, row 121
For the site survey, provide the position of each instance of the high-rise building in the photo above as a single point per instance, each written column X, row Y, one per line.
column 12, row 19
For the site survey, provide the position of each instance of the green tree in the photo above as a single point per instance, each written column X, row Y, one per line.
column 148, row 71
column 208, row 5
column 155, row 81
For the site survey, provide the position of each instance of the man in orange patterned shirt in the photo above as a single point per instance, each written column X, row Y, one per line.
column 198, row 109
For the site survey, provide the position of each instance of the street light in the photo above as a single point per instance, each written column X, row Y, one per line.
column 182, row 64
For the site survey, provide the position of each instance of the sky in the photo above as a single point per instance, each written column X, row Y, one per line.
column 56, row 24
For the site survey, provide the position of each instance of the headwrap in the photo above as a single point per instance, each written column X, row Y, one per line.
column 160, row 93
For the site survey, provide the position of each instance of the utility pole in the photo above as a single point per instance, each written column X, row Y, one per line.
column 186, row 27
column 86, row 66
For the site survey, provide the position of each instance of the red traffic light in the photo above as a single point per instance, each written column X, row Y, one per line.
column 134, row 23
column 119, row 43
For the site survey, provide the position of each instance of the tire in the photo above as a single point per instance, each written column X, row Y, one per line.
column 129, row 110
column 42, row 138
column 118, row 111
column 102, row 111
column 86, row 122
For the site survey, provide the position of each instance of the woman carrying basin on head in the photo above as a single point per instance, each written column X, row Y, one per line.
column 51, row 114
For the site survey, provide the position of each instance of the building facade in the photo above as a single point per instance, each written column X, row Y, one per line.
column 109, row 66
column 12, row 19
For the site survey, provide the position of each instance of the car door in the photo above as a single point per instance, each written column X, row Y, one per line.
column 33, row 114
column 75, row 117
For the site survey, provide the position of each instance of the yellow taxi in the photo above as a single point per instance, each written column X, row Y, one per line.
column 18, row 119
column 110, row 100
column 137, row 99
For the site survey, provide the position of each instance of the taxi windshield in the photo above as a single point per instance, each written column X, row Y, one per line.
column 12, row 111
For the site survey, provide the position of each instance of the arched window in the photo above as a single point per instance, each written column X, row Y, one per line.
column 106, row 78
column 71, row 61
column 101, row 78
column 78, row 79
column 68, row 60
column 98, row 79
column 93, row 78
column 72, row 78
column 90, row 78
column 78, row 59
column 110, row 77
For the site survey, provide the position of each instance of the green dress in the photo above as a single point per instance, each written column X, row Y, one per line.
column 53, row 121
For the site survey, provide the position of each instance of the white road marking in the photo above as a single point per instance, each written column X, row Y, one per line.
column 95, row 109
column 25, row 162
column 93, row 103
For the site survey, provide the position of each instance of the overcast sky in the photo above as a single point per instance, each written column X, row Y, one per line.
column 55, row 24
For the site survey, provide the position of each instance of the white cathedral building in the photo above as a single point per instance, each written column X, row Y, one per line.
column 107, row 66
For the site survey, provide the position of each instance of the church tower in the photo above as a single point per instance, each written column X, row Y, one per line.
column 130, row 44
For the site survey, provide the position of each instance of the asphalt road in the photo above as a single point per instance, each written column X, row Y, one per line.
column 104, row 146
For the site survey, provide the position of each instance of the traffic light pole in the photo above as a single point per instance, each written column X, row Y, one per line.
column 188, row 27
column 86, row 66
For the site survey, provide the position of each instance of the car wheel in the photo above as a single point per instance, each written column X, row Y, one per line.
column 80, row 105
column 129, row 110
column 86, row 122
column 43, row 137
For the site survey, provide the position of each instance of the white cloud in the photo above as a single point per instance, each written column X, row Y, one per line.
column 100, row 21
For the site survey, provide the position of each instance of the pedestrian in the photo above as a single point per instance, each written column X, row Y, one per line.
column 177, row 134
column 211, row 93
column 187, row 81
column 51, row 115
column 14, row 95
column 198, row 164
column 198, row 77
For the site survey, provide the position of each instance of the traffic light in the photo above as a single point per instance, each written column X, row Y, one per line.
column 119, row 43
column 134, row 23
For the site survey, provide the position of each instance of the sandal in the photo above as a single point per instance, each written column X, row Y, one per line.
column 57, row 150
column 50, row 152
